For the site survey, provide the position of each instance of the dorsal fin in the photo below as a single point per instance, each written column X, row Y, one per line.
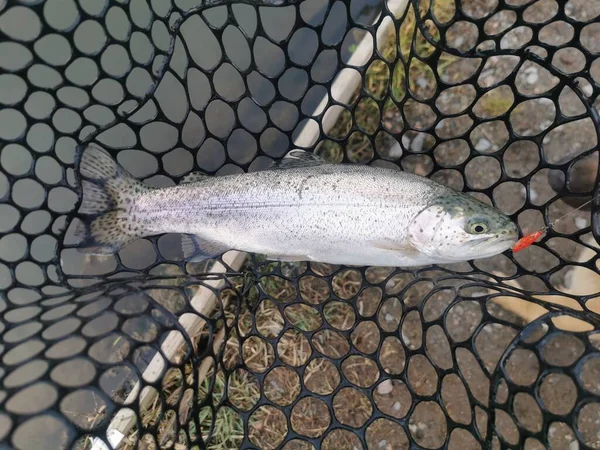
column 297, row 158
column 194, row 177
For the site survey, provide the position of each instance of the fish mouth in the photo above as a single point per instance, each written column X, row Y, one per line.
column 493, row 245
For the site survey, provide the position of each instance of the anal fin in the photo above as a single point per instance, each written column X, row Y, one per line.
column 194, row 177
column 195, row 248
column 287, row 258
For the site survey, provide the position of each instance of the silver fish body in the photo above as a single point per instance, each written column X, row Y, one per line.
column 310, row 211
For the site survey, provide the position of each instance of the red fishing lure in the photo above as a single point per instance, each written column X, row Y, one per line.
column 526, row 241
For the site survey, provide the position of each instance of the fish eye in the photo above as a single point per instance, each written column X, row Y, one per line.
column 478, row 227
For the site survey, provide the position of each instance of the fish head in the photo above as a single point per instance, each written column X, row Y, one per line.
column 457, row 227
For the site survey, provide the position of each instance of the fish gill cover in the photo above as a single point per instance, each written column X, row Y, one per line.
column 147, row 350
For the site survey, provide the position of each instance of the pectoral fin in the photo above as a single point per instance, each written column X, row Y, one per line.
column 406, row 248
column 297, row 158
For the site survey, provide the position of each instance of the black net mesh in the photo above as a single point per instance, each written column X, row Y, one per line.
column 147, row 350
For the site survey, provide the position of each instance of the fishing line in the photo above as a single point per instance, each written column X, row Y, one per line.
column 531, row 238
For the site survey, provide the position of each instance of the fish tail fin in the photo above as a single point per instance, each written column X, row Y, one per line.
column 109, row 220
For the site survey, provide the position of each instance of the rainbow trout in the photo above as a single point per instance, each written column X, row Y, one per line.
column 300, row 209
